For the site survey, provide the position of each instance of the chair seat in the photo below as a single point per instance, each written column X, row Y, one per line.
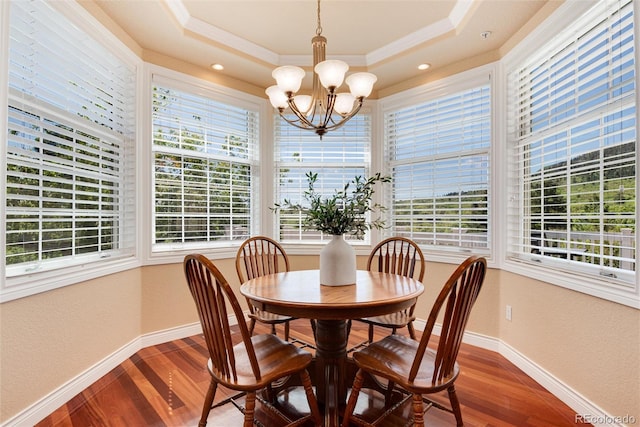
column 392, row 358
column 394, row 320
column 269, row 318
column 276, row 357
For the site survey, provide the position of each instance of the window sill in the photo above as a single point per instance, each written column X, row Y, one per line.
column 587, row 284
column 31, row 284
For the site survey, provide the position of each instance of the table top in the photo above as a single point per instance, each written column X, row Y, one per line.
column 300, row 294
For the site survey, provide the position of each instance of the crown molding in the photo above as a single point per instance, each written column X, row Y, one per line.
column 180, row 13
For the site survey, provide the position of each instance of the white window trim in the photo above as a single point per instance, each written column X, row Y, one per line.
column 372, row 166
column 459, row 82
column 25, row 285
column 4, row 117
column 154, row 74
column 598, row 287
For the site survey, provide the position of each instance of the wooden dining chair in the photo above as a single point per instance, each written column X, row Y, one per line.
column 254, row 363
column 258, row 256
column 396, row 255
column 409, row 366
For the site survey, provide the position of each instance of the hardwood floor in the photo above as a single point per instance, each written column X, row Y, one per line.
column 164, row 385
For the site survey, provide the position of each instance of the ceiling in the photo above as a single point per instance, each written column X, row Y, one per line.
column 389, row 38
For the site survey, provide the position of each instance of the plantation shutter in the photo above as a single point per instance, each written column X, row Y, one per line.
column 204, row 154
column 70, row 145
column 338, row 158
column 438, row 152
column 573, row 191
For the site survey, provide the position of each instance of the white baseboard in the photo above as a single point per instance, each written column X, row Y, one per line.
column 170, row 334
column 45, row 406
column 471, row 338
column 581, row 405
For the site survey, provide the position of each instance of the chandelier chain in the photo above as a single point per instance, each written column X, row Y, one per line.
column 319, row 28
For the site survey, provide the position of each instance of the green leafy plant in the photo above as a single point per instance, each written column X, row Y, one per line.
column 344, row 212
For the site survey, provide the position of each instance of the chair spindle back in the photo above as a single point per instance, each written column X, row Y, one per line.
column 258, row 256
column 460, row 293
column 398, row 255
column 212, row 295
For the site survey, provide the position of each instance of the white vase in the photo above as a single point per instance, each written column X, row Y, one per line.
column 337, row 263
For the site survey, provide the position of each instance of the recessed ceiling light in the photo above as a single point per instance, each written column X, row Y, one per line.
column 485, row 34
column 423, row 66
column 217, row 67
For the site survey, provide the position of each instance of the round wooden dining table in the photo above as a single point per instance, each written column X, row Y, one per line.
column 300, row 294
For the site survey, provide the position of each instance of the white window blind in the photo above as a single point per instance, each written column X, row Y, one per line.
column 70, row 145
column 438, row 152
column 338, row 158
column 204, row 178
column 572, row 198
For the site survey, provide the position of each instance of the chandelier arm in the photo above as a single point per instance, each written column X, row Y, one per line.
column 328, row 110
column 344, row 119
column 301, row 122
column 301, row 117
column 294, row 109
column 296, row 123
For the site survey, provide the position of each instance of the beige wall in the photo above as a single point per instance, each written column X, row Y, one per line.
column 51, row 338
column 590, row 344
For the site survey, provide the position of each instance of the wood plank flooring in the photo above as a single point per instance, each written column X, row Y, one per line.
column 164, row 385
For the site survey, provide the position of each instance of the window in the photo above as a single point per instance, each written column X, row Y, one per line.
column 438, row 152
column 338, row 158
column 572, row 198
column 205, row 162
column 70, row 147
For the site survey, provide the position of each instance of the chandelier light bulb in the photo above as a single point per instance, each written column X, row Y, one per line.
column 303, row 103
column 288, row 78
column 277, row 97
column 331, row 72
column 344, row 103
column 361, row 84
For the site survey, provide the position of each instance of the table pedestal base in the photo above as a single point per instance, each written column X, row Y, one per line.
column 331, row 354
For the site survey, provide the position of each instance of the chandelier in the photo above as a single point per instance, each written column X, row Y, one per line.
column 324, row 109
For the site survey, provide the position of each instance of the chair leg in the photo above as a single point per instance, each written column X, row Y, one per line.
column 208, row 401
column 252, row 325
column 249, row 409
column 311, row 398
column 273, row 329
column 412, row 331
column 269, row 395
column 455, row 405
column 286, row 331
column 370, row 334
column 313, row 329
column 353, row 397
column 388, row 393
column 418, row 411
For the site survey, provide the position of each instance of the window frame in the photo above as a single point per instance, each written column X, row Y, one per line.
column 479, row 76
column 24, row 285
column 157, row 75
column 370, row 164
column 577, row 280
